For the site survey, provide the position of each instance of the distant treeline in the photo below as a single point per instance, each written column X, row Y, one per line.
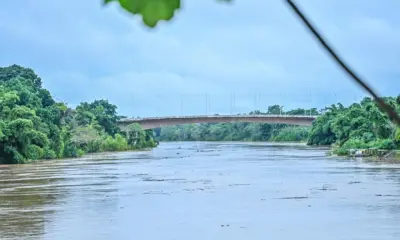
column 240, row 131
column 360, row 125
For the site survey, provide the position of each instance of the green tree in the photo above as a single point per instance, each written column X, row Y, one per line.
column 34, row 126
column 98, row 112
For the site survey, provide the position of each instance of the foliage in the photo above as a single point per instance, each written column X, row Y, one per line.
column 99, row 112
column 34, row 126
column 361, row 125
column 289, row 134
column 152, row 11
column 396, row 137
column 239, row 131
column 117, row 143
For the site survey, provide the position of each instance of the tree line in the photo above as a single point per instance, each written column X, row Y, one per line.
column 240, row 131
column 360, row 125
column 34, row 126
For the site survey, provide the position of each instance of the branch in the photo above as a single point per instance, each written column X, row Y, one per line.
column 382, row 105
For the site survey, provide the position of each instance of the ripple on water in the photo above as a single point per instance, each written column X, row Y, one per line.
column 207, row 191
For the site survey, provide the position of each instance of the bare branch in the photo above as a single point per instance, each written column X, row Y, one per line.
column 382, row 105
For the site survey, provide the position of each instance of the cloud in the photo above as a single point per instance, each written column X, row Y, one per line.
column 252, row 48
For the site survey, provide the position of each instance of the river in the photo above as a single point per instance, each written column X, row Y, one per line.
column 200, row 191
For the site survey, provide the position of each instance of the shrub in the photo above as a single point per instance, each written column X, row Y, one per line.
column 388, row 144
column 117, row 143
column 48, row 153
column 34, row 152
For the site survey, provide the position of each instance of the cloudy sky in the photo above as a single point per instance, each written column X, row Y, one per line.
column 255, row 50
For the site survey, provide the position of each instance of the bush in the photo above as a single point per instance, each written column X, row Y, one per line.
column 80, row 153
column 353, row 143
column 397, row 137
column 388, row 144
column 341, row 151
column 34, row 152
column 94, row 146
column 118, row 143
column 292, row 134
column 361, row 144
column 71, row 150
column 150, row 144
column 48, row 153
column 16, row 156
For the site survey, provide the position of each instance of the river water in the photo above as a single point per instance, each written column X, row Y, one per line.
column 202, row 191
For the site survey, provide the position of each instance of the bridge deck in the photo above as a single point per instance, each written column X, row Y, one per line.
column 155, row 122
column 218, row 116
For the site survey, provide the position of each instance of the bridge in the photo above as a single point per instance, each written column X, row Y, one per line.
column 156, row 122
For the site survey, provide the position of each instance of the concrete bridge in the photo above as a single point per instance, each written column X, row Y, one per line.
column 156, row 122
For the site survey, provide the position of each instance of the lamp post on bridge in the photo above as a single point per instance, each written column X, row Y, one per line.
column 181, row 106
column 230, row 103
column 234, row 102
column 209, row 104
column 206, row 104
column 157, row 107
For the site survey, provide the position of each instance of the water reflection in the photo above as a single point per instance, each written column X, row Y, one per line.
column 202, row 191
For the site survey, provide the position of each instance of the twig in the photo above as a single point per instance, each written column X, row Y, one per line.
column 382, row 105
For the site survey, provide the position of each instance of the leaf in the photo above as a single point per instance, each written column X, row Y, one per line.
column 152, row 11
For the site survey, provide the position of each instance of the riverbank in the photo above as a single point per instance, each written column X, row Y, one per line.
column 392, row 158
column 88, row 156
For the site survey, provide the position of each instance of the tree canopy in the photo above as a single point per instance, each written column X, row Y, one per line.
column 34, row 126
column 361, row 125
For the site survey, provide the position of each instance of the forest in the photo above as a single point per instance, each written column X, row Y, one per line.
column 360, row 125
column 34, row 126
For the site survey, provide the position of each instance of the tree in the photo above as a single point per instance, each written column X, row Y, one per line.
column 275, row 109
column 359, row 125
column 16, row 71
column 135, row 135
column 99, row 112
column 34, row 126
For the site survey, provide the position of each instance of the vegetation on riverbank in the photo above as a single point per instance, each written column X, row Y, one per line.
column 34, row 126
column 361, row 125
column 358, row 126
column 240, row 131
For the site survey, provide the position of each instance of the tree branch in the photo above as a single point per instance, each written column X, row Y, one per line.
column 382, row 105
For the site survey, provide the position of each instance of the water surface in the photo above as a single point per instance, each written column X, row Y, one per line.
column 202, row 191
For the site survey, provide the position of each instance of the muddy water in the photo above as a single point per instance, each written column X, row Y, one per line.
column 202, row 191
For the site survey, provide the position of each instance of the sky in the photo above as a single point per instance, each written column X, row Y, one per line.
column 211, row 58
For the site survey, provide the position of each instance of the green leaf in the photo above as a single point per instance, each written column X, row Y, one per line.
column 152, row 11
